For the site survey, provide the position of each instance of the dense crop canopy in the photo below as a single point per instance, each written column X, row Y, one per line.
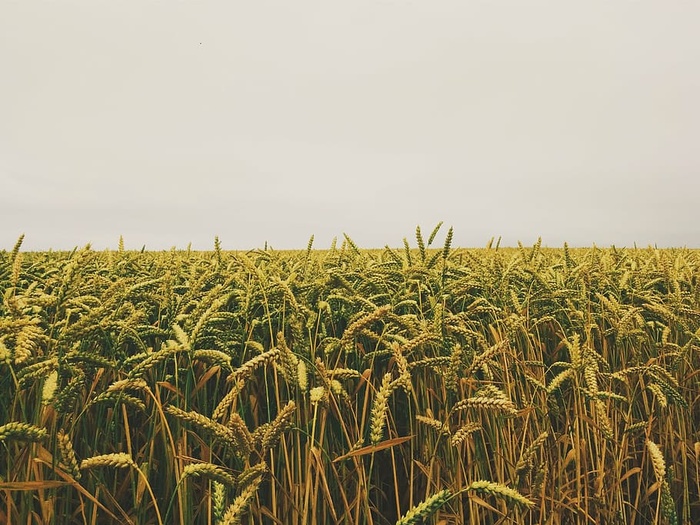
column 350, row 385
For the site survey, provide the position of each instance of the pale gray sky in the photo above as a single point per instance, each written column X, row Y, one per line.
column 170, row 122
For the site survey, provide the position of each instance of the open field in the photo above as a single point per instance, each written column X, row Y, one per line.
column 351, row 386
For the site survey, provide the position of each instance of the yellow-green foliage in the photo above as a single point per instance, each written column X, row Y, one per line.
column 350, row 386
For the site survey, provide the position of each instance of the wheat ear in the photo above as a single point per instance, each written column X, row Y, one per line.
column 379, row 409
column 211, row 471
column 117, row 460
column 240, row 504
column 282, row 422
column 21, row 432
column 501, row 491
column 424, row 509
column 65, row 447
column 657, row 459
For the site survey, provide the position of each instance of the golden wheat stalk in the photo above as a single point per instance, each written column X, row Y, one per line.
column 603, row 419
column 575, row 352
column 26, row 343
column 119, row 397
column 434, row 363
column 259, row 433
column 5, row 354
column 454, row 368
column 589, row 373
column 402, row 364
column 154, row 359
column 659, row 394
column 337, row 389
column 33, row 371
column 421, row 339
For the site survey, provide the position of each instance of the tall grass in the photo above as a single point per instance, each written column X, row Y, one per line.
column 526, row 385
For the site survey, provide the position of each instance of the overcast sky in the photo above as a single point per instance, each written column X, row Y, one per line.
column 172, row 122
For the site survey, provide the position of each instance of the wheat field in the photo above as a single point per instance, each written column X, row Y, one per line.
column 427, row 384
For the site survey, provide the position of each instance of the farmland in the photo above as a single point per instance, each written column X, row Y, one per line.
column 493, row 385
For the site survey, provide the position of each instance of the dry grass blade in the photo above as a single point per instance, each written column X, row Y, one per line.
column 371, row 449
